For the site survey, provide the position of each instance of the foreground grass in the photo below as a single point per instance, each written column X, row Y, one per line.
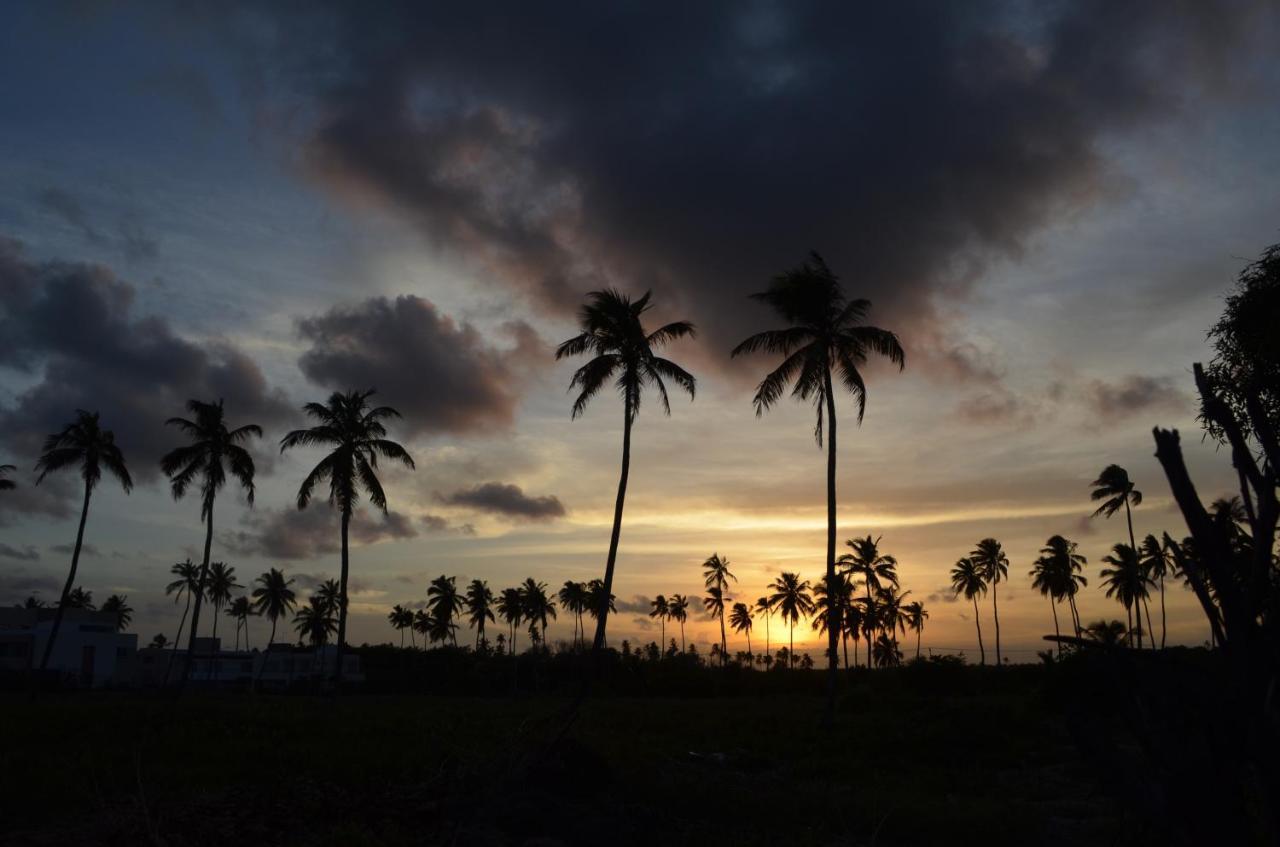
column 908, row 765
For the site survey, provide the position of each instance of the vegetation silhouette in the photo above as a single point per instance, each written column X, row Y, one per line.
column 990, row 559
column 7, row 484
column 273, row 597
column 118, row 606
column 967, row 578
column 716, row 576
column 240, row 610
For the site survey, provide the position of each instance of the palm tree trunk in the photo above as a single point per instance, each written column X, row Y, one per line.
column 1128, row 617
column 70, row 583
column 791, row 651
column 995, row 608
column 177, row 639
column 195, row 611
column 342, row 604
column 663, row 636
column 1151, row 631
column 682, row 650
column 1164, row 621
column 766, row 636
column 1053, row 604
column 749, row 653
column 919, row 632
column 832, row 658
column 723, row 644
column 271, row 639
column 844, row 645
column 1075, row 613
column 977, row 621
column 597, row 644
column 213, row 671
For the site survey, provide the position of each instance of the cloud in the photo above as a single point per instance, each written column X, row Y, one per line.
column 289, row 533
column 642, row 624
column 436, row 523
column 17, row 583
column 943, row 594
column 72, row 328
column 1133, row 395
column 639, row 604
column 69, row 549
column 66, row 206
column 909, row 143
column 998, row 406
column 26, row 554
column 507, row 500
column 443, row 376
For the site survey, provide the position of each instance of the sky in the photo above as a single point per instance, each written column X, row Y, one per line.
column 269, row 202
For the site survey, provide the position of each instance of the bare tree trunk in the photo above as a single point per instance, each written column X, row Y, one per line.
column 597, row 644
column 342, row 604
column 195, row 610
column 69, row 584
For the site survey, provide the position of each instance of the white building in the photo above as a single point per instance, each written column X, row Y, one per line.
column 285, row 666
column 89, row 652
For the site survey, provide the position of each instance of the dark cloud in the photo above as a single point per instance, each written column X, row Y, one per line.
column 18, row 583
column 74, row 329
column 699, row 148
column 1133, row 395
column 66, row 206
column 290, row 533
column 943, row 594
column 26, row 554
column 639, row 604
column 69, row 549
column 436, row 523
column 442, row 375
column 642, row 624
column 507, row 500
column 996, row 407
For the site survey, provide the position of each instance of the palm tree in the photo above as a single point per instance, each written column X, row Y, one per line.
column 479, row 601
column 1062, row 578
column 538, row 607
column 273, row 597
column 188, row 580
column 1107, row 633
column 764, row 605
column 239, row 611
column 916, row 615
column 716, row 576
column 511, row 610
column 824, row 599
column 81, row 599
column 315, row 622
column 118, row 605
column 991, row 560
column 622, row 353
column 440, row 627
column 444, row 603
column 596, row 600
column 968, row 578
column 358, row 439
column 7, row 484
column 792, row 599
column 573, row 598
column 678, row 609
column 1126, row 581
column 84, row 443
column 1045, row 579
column 219, row 584
column 1115, row 489
column 855, row 621
column 402, row 619
column 212, row 444
column 329, row 593
column 159, row 641
column 825, row 332
column 886, row 652
column 740, row 620
column 1157, row 562
column 659, row 609
column 876, row 570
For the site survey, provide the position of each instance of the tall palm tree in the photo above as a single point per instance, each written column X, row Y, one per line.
column 440, row 627
column 659, row 609
column 7, row 484
column 1062, row 567
column 740, row 620
column 357, row 438
column 824, row 333
column 315, row 622
column 678, row 609
column 1157, row 562
column 855, row 621
column 573, row 599
column 596, row 602
column 991, row 560
column 402, row 619
column 876, row 569
column 273, row 596
column 239, row 611
column 1126, row 581
column 444, row 603
column 623, row 352
column 188, row 580
column 84, row 443
column 916, row 615
column 1114, row 488
column 538, row 607
column 824, row 599
column 218, row 586
column 765, row 606
column 118, row 605
column 1046, row 580
column 511, row 610
column 214, row 449
column 716, row 576
column 792, row 600
column 329, row 593
column 969, row 579
column 479, row 601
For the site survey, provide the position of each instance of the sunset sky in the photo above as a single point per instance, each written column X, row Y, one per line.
column 266, row 203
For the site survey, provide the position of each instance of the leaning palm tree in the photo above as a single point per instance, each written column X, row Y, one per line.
column 1157, row 562
column 916, row 615
column 7, row 484
column 1126, row 581
column 402, row 619
column 969, row 579
column 825, row 333
column 573, row 598
column 511, row 610
column 445, row 603
column 659, row 609
column 479, row 602
column 214, row 449
column 273, row 597
column 622, row 353
column 85, row 444
column 740, row 620
column 991, row 560
column 678, row 609
column 716, row 576
column 118, row 605
column 792, row 599
column 188, row 580
column 538, row 607
column 357, row 438
column 764, row 606
column 239, row 611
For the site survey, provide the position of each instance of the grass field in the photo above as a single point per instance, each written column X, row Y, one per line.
column 906, row 765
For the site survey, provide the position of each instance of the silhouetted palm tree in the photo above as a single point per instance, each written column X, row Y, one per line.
column 825, row 332
column 622, row 353
column 330, row 593
column 1126, row 581
column 740, row 620
column 573, row 599
column 969, row 579
column 7, row 484
column 1107, row 633
column 444, row 603
column 188, row 580
column 1157, row 563
column 239, row 611
column 1058, row 570
column 716, row 576
column 511, row 610
column 678, row 610
column 83, row 443
column 159, row 641
column 886, row 652
column 854, row 622
column 792, row 600
column 315, row 622
column 273, row 597
column 841, row 598
column 479, row 601
column 440, row 627
column 357, row 438
column 218, row 586
column 537, row 606
column 78, row 598
column 118, row 605
column 658, row 609
column 1115, row 489
column 596, row 601
column 214, row 449
column 765, row 606
column 916, row 615
column 402, row 619
column 877, row 570
column 991, row 560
